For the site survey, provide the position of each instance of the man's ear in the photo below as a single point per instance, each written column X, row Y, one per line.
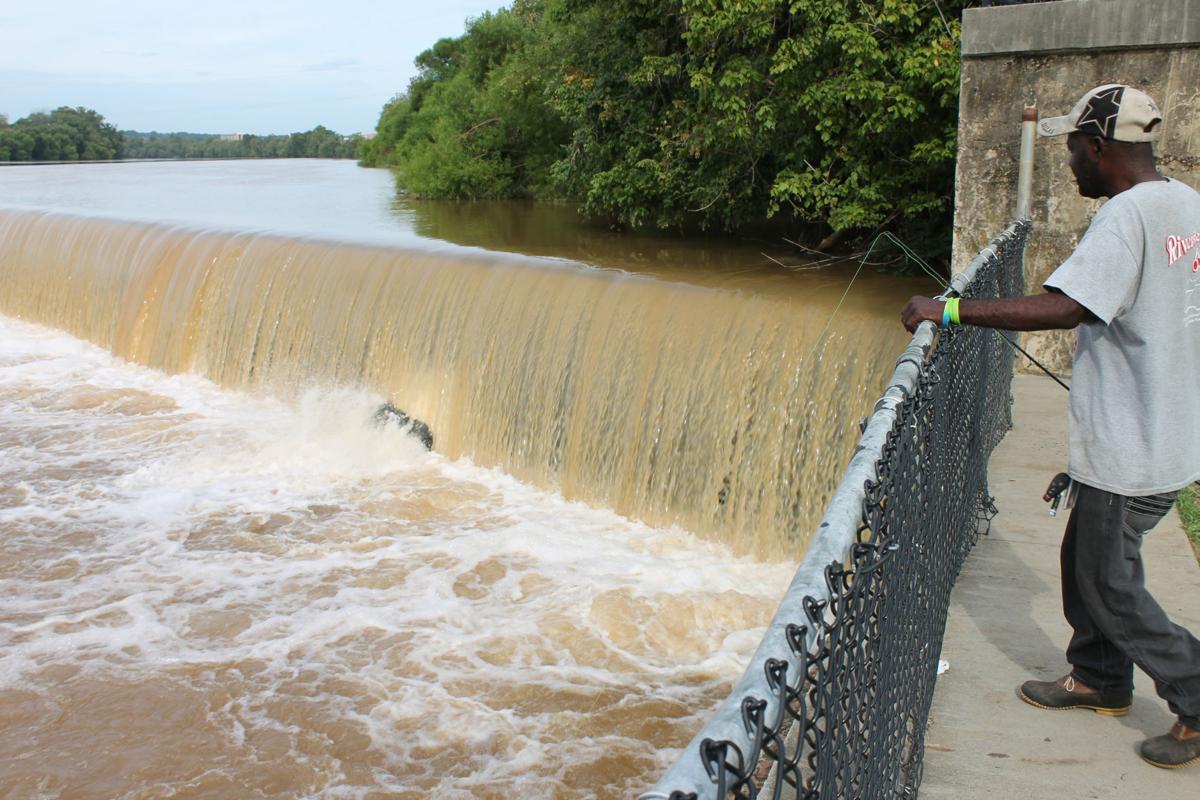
column 1096, row 147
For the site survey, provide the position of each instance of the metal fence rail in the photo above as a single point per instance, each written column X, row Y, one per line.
column 835, row 700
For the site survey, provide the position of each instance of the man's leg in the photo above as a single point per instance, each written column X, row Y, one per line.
column 1111, row 584
column 1095, row 660
column 1101, row 679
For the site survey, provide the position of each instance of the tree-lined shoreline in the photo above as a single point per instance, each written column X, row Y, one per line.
column 837, row 116
column 833, row 119
column 81, row 134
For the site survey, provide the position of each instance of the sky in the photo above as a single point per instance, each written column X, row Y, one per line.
column 220, row 66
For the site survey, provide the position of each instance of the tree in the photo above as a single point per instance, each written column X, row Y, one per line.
column 15, row 144
column 838, row 112
column 836, row 116
column 476, row 122
column 65, row 134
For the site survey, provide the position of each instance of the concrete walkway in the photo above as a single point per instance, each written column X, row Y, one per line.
column 1006, row 626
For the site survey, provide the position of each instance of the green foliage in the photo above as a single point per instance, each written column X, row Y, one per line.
column 1189, row 513
column 16, row 144
column 835, row 111
column 65, row 134
column 838, row 115
column 475, row 122
column 320, row 142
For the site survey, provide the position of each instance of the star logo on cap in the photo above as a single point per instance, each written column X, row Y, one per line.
column 1100, row 116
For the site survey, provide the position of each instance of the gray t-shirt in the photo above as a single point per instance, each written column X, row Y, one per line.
column 1134, row 426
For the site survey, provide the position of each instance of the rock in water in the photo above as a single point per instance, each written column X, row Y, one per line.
column 414, row 427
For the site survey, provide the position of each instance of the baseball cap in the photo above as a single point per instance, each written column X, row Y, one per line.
column 1114, row 111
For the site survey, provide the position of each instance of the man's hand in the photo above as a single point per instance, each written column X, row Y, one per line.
column 918, row 309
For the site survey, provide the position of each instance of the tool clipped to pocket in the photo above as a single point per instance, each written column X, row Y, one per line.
column 1054, row 492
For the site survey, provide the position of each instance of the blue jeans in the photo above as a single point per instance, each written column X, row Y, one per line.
column 1116, row 621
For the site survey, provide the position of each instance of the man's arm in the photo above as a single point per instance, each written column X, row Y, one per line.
column 1037, row 312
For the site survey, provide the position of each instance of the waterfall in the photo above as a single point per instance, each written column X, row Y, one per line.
column 724, row 410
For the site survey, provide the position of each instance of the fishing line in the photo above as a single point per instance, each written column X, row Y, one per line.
column 862, row 262
column 907, row 251
column 930, row 272
column 910, row 254
column 904, row 249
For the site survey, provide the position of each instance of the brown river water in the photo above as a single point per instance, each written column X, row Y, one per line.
column 222, row 579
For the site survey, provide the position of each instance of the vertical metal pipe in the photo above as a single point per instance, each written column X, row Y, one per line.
column 1025, row 170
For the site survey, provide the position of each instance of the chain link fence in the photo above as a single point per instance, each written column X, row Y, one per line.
column 835, row 702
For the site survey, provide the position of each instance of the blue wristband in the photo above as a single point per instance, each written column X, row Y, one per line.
column 946, row 315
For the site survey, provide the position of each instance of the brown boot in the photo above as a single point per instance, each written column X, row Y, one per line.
column 1173, row 750
column 1066, row 692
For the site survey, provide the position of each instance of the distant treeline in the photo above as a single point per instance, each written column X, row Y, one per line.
column 838, row 115
column 320, row 142
column 81, row 134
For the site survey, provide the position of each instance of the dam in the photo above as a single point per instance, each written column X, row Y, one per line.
column 215, row 553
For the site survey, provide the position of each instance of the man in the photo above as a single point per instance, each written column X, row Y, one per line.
column 1132, row 287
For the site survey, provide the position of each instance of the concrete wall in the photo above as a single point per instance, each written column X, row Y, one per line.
column 1049, row 54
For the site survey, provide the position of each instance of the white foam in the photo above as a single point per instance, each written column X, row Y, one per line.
column 162, row 523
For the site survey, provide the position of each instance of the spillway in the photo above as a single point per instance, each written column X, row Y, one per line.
column 724, row 411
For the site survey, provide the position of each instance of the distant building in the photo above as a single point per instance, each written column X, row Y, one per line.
column 368, row 135
column 232, row 137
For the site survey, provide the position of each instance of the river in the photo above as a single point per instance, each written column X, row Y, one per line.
column 224, row 579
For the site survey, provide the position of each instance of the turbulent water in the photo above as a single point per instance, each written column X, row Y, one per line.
column 223, row 579
column 209, row 594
